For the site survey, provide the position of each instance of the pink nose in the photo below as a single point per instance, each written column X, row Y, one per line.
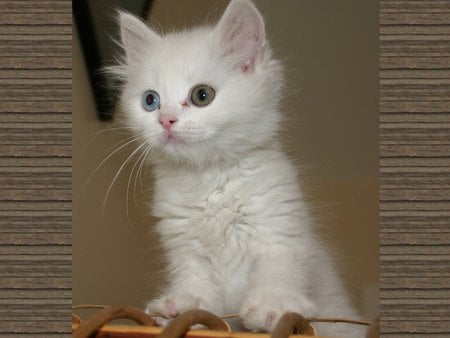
column 167, row 122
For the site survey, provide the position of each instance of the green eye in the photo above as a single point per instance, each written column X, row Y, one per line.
column 202, row 95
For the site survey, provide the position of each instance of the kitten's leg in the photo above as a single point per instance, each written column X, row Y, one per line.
column 191, row 286
column 278, row 285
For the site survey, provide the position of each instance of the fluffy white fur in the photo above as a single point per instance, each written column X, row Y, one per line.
column 234, row 224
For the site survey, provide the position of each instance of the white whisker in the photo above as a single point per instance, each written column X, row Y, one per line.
column 139, row 173
column 94, row 136
column 85, row 184
column 139, row 160
column 107, row 151
column 118, row 173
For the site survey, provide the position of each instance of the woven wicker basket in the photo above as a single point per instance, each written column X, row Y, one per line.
column 289, row 325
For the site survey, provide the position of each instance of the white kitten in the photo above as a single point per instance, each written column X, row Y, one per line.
column 234, row 223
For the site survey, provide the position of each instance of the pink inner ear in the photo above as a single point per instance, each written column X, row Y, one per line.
column 244, row 42
column 242, row 35
column 248, row 66
column 249, row 48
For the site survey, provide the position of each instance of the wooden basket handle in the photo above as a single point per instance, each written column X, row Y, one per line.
column 290, row 323
column 179, row 326
column 102, row 317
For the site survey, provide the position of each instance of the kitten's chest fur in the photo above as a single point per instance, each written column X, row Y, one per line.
column 214, row 213
column 220, row 216
column 207, row 209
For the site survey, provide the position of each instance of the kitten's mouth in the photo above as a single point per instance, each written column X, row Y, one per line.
column 169, row 138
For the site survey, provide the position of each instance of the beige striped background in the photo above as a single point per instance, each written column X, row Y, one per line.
column 415, row 168
column 35, row 166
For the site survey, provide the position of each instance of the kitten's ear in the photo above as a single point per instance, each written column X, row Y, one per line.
column 241, row 34
column 134, row 34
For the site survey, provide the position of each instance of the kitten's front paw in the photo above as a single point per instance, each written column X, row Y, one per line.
column 167, row 307
column 261, row 311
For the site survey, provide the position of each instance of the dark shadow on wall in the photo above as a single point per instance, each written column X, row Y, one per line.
column 96, row 27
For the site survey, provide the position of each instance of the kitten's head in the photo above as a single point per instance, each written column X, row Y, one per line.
column 203, row 95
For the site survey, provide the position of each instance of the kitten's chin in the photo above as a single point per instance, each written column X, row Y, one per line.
column 174, row 148
column 174, row 144
column 171, row 140
column 176, row 151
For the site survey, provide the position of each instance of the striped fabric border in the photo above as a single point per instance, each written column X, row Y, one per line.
column 35, row 168
column 415, row 168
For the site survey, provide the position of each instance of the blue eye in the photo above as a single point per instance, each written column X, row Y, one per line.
column 150, row 100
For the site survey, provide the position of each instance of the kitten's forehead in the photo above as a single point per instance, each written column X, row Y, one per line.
column 182, row 51
column 179, row 59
